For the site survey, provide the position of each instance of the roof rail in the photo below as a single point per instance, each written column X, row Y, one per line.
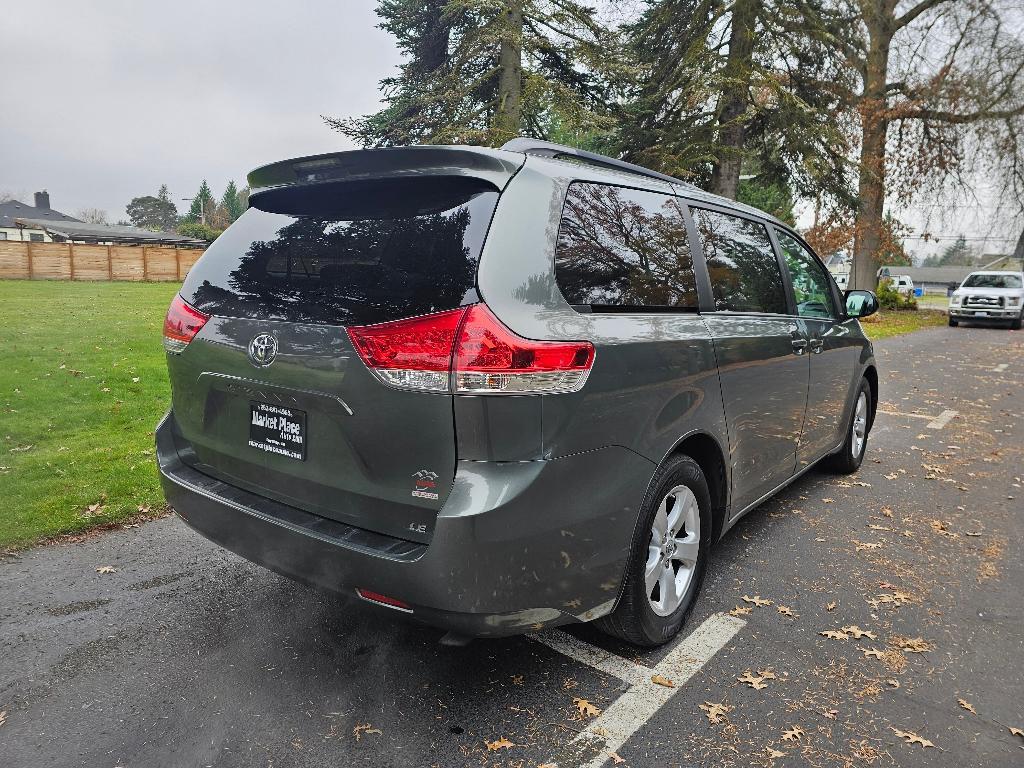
column 549, row 149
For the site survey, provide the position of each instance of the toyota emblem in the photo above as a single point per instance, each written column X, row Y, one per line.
column 262, row 350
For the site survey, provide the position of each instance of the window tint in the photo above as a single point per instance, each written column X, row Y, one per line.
column 624, row 248
column 342, row 254
column 744, row 272
column 810, row 284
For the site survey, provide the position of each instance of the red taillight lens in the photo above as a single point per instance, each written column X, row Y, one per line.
column 412, row 354
column 491, row 358
column 390, row 602
column 471, row 343
column 181, row 325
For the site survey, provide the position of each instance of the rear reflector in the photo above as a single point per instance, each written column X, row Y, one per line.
column 390, row 602
column 181, row 325
column 470, row 351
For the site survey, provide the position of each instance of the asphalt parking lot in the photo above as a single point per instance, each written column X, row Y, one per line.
column 186, row 655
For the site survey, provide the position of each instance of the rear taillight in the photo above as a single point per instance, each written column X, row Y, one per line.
column 470, row 351
column 181, row 325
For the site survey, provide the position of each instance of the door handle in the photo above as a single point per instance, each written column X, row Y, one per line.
column 817, row 345
column 799, row 346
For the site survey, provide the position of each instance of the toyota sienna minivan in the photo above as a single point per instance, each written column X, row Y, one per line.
column 503, row 390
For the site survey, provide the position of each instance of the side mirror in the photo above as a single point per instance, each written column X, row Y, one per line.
column 861, row 303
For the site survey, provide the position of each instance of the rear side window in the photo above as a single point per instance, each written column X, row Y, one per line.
column 347, row 254
column 744, row 272
column 624, row 249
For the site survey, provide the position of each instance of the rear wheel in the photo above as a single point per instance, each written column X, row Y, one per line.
column 847, row 459
column 953, row 323
column 668, row 559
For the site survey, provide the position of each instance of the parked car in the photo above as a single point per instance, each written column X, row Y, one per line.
column 503, row 390
column 988, row 297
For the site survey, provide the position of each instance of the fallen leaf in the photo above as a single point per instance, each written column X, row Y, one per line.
column 754, row 681
column 872, row 653
column 830, row 714
column 716, row 712
column 834, row 634
column 586, row 708
column 740, row 611
column 828, row 501
column 858, row 633
column 502, row 743
column 1013, row 731
column 659, row 680
column 913, row 644
column 862, row 545
column 616, row 758
column 3, row 717
column 773, row 753
column 830, row 606
column 912, row 738
column 787, row 611
column 135, row 379
column 363, row 728
column 967, row 705
column 793, row 734
column 756, row 600
column 106, row 569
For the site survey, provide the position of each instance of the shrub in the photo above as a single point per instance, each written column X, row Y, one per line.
column 890, row 298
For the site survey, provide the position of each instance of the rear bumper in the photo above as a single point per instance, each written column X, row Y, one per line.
column 518, row 546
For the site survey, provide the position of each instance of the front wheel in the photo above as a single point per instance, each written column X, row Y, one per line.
column 953, row 323
column 668, row 558
column 847, row 459
column 1016, row 324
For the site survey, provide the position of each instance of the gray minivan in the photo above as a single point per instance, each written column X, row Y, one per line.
column 503, row 390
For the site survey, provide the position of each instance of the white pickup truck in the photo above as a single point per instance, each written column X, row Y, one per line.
column 989, row 296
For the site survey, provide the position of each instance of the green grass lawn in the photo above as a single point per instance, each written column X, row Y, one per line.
column 893, row 323
column 82, row 385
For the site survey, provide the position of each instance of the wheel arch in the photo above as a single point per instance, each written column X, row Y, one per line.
column 707, row 452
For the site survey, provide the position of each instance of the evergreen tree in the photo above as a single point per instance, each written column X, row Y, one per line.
column 483, row 73
column 202, row 204
column 158, row 213
column 725, row 86
column 231, row 202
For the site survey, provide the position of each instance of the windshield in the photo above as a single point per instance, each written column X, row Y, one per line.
column 992, row 281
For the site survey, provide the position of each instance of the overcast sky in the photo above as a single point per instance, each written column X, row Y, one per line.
column 104, row 101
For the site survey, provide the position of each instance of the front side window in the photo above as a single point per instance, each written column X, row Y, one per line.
column 744, row 272
column 810, row 285
column 624, row 249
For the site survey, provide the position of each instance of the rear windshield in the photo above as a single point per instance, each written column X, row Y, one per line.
column 347, row 254
column 992, row 281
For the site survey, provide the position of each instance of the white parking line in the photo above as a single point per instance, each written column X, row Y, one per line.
column 942, row 420
column 907, row 415
column 610, row 730
column 604, row 661
column 1000, row 368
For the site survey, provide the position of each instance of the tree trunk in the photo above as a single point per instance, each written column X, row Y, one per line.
column 1018, row 252
column 509, row 117
column 732, row 130
column 874, row 131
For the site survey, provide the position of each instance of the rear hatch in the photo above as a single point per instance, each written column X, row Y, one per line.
column 271, row 396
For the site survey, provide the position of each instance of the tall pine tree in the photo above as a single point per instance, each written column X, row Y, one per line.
column 482, row 73
column 202, row 204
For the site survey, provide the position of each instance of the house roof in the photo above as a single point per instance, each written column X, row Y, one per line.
column 934, row 274
column 78, row 231
column 14, row 209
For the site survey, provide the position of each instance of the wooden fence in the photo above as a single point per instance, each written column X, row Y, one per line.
column 68, row 261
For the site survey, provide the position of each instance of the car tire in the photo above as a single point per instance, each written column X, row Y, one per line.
column 678, row 489
column 1016, row 324
column 848, row 459
column 953, row 323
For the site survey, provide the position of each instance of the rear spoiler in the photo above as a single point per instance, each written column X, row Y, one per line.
column 491, row 166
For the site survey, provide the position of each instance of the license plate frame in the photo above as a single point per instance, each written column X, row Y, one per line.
column 278, row 430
